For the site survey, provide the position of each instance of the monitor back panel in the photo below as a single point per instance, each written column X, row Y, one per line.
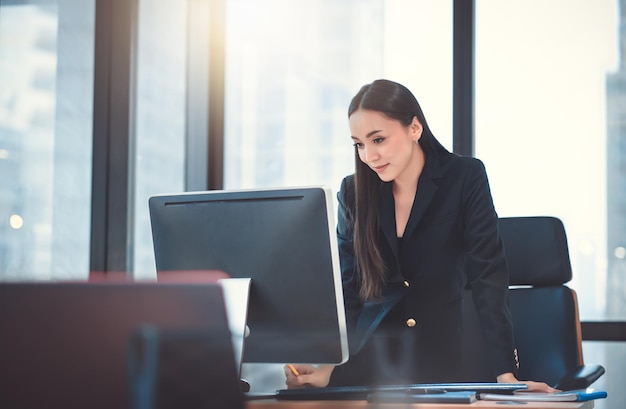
column 285, row 241
column 66, row 345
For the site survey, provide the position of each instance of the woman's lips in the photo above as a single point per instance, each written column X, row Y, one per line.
column 379, row 169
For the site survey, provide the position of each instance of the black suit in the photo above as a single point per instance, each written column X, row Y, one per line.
column 451, row 241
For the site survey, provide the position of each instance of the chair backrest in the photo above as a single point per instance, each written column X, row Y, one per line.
column 536, row 250
column 543, row 308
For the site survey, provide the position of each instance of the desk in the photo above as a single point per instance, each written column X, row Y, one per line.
column 290, row 404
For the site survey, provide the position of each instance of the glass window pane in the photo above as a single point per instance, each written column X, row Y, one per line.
column 160, row 116
column 46, row 111
column 292, row 68
column 541, row 122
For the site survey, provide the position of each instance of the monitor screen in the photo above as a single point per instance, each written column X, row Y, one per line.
column 284, row 240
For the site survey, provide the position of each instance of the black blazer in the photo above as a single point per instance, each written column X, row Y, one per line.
column 451, row 241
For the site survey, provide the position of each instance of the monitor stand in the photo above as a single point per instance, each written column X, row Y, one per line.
column 236, row 296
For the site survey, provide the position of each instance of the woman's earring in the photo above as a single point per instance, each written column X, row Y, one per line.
column 417, row 141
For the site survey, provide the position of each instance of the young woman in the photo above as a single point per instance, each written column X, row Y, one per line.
column 416, row 226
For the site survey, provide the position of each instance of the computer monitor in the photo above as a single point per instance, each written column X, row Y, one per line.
column 285, row 241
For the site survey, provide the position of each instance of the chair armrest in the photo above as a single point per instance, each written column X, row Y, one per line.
column 581, row 378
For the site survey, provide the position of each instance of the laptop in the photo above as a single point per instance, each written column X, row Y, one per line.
column 367, row 392
column 85, row 345
column 236, row 292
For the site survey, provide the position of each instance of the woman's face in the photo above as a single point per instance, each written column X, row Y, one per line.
column 384, row 144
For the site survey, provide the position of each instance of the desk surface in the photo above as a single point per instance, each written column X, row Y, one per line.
column 290, row 404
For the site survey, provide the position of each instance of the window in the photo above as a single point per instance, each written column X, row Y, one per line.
column 292, row 68
column 541, row 122
column 160, row 115
column 46, row 104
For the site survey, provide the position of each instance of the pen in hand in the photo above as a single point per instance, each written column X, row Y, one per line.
column 293, row 370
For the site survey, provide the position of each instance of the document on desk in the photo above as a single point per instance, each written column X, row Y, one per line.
column 567, row 396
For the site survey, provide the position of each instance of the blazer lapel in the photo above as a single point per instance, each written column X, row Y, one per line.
column 426, row 190
column 387, row 217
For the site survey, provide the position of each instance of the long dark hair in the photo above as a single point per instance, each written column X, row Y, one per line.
column 396, row 102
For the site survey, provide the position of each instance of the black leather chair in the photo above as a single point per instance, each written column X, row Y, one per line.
column 545, row 311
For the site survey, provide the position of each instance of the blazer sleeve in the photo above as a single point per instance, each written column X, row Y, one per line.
column 347, row 261
column 487, row 271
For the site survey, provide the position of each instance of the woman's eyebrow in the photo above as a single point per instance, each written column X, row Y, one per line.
column 369, row 135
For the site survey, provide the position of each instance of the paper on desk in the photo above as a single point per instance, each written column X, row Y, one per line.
column 567, row 396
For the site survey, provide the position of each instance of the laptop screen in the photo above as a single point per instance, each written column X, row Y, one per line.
column 67, row 345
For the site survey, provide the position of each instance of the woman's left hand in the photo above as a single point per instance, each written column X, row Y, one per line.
column 533, row 386
column 539, row 387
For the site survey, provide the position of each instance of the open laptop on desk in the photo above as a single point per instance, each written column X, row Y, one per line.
column 67, row 345
column 363, row 392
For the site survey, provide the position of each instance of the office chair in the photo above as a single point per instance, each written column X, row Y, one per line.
column 544, row 310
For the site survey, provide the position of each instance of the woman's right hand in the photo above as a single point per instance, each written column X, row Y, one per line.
column 308, row 376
